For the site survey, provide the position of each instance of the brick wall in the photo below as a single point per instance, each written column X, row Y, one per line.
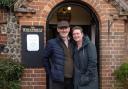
column 112, row 53
column 112, row 43
column 34, row 79
column 3, row 37
column 3, row 16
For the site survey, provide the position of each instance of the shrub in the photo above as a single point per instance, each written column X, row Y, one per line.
column 7, row 3
column 122, row 74
column 10, row 73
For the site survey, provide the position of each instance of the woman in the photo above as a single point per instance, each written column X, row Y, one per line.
column 85, row 60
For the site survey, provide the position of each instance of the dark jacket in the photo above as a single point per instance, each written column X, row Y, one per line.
column 85, row 60
column 54, row 58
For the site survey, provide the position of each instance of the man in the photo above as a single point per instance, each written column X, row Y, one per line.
column 58, row 59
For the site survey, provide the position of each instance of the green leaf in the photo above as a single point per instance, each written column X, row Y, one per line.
column 7, row 3
column 122, row 72
column 10, row 74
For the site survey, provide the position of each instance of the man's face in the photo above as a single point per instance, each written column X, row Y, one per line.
column 77, row 35
column 64, row 31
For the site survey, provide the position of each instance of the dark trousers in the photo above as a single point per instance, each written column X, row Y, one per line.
column 67, row 84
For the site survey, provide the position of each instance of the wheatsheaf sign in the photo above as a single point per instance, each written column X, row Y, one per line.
column 32, row 41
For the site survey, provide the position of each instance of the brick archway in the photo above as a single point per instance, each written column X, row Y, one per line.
column 83, row 5
column 94, row 5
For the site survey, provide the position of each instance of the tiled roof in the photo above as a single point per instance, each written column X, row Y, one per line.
column 124, row 4
column 121, row 5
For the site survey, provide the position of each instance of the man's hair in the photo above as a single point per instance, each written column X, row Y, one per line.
column 63, row 24
column 77, row 27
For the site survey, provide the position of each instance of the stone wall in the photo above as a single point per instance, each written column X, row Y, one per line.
column 12, row 32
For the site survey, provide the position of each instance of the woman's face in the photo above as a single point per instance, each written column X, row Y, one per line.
column 77, row 35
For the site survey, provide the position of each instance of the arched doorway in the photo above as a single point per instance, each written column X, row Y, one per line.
column 81, row 14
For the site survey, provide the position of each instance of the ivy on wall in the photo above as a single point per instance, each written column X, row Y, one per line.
column 7, row 3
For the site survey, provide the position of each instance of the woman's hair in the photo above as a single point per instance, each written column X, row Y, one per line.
column 77, row 27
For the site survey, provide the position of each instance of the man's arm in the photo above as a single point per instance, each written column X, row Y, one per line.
column 46, row 56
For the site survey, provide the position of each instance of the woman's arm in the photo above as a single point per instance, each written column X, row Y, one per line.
column 91, row 66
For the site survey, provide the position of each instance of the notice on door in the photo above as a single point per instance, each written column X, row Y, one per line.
column 32, row 42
